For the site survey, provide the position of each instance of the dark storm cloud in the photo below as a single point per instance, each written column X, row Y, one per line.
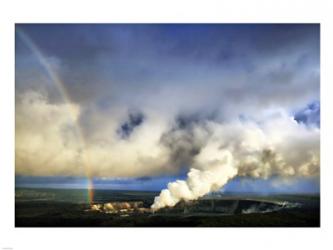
column 283, row 38
column 139, row 93
column 213, row 66
column 82, row 45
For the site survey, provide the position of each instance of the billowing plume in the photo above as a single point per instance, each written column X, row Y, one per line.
column 217, row 168
column 215, row 152
column 142, row 107
column 280, row 147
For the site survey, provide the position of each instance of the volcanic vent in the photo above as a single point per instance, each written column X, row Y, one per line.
column 121, row 207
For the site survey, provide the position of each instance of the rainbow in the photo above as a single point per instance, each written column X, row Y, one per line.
column 66, row 96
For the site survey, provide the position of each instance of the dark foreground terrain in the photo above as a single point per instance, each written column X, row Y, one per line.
column 69, row 208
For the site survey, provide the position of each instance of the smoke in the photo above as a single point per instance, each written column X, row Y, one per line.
column 280, row 147
column 212, row 151
column 215, row 168
column 128, row 98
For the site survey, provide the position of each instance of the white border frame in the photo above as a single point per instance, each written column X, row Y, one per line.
column 150, row 11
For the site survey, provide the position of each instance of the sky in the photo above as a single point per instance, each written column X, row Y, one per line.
column 134, row 106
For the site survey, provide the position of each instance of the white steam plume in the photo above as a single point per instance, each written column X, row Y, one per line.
column 217, row 169
column 47, row 145
column 280, row 147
